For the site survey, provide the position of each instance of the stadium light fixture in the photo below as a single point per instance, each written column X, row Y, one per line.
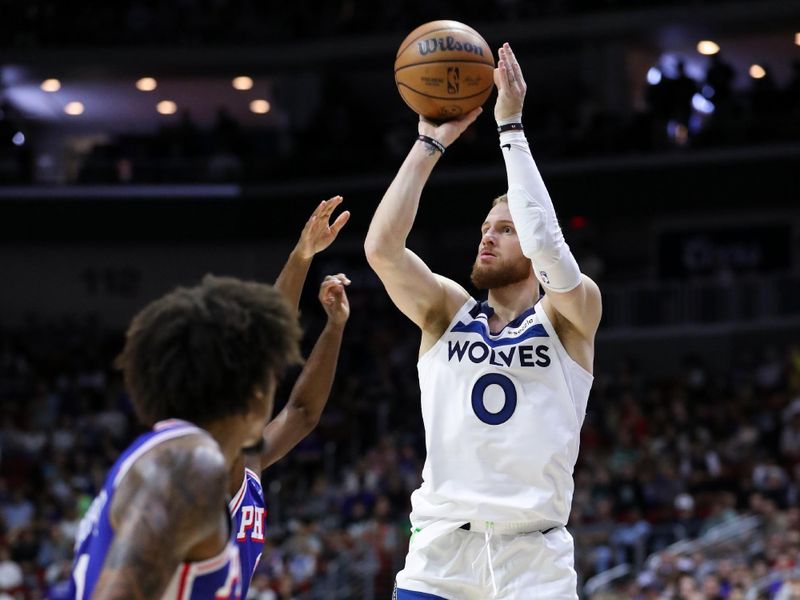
column 146, row 84
column 707, row 47
column 260, row 107
column 757, row 72
column 167, row 107
column 50, row 85
column 243, row 83
column 74, row 108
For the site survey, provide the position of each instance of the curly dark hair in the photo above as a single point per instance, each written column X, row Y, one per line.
column 199, row 353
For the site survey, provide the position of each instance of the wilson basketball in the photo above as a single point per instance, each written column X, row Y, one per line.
column 443, row 70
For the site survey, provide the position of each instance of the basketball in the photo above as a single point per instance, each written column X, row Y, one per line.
column 443, row 70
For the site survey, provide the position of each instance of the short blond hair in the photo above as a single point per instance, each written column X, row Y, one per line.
column 500, row 200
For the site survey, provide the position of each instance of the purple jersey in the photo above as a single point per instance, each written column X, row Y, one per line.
column 249, row 513
column 217, row 578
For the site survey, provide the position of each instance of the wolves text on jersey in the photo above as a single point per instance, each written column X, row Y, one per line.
column 520, row 356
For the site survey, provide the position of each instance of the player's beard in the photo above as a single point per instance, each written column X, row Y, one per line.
column 493, row 277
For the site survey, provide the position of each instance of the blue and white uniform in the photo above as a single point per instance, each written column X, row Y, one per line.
column 502, row 413
column 249, row 513
column 217, row 578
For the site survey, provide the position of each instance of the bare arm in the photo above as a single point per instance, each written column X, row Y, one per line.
column 317, row 235
column 581, row 307
column 291, row 426
column 167, row 510
column 429, row 300
column 312, row 389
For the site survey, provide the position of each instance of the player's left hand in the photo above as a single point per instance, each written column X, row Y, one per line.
column 318, row 232
column 334, row 299
column 511, row 86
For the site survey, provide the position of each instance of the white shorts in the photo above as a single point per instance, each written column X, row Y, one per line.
column 456, row 566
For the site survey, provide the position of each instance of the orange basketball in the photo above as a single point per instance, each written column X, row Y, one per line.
column 443, row 70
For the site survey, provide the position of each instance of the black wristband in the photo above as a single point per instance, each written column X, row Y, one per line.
column 432, row 142
column 510, row 127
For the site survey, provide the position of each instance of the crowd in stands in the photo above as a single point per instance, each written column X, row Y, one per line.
column 663, row 459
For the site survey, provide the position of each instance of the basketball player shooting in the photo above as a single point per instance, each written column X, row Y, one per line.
column 504, row 383
column 201, row 365
column 308, row 396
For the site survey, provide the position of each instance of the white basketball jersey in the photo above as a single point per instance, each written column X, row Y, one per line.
column 502, row 414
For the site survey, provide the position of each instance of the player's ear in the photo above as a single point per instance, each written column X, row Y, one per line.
column 264, row 392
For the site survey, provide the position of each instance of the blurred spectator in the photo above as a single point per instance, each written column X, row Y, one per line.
column 686, row 523
column 17, row 512
column 680, row 91
column 15, row 156
column 792, row 91
column 764, row 94
column 720, row 76
column 10, row 572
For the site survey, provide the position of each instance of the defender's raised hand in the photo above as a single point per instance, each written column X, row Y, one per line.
column 318, row 232
column 510, row 84
column 334, row 299
column 313, row 387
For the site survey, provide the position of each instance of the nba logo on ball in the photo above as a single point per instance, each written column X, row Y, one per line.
column 444, row 69
column 452, row 80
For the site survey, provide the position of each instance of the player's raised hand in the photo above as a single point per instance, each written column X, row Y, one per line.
column 334, row 299
column 318, row 232
column 510, row 84
column 448, row 132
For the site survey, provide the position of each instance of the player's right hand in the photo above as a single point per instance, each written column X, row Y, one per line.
column 318, row 232
column 449, row 131
column 334, row 299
